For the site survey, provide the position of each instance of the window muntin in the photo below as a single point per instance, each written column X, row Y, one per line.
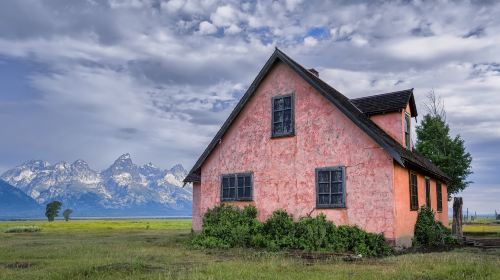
column 439, row 197
column 282, row 116
column 407, row 131
column 330, row 187
column 236, row 187
column 413, row 192
column 427, row 192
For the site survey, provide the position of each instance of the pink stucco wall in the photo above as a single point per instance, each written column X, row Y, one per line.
column 283, row 168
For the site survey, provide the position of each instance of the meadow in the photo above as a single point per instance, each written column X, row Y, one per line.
column 157, row 249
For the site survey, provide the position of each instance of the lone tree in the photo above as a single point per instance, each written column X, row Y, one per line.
column 52, row 210
column 435, row 143
column 67, row 213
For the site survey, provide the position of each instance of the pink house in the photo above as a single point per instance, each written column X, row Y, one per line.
column 293, row 142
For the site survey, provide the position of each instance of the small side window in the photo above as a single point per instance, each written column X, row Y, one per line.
column 427, row 192
column 413, row 192
column 407, row 131
column 439, row 196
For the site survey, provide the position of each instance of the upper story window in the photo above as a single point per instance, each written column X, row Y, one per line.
column 413, row 192
column 427, row 192
column 330, row 187
column 407, row 131
column 236, row 187
column 283, row 116
column 439, row 197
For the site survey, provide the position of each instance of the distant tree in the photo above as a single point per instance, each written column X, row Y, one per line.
column 446, row 152
column 52, row 210
column 67, row 213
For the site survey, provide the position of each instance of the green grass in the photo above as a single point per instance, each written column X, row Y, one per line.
column 156, row 249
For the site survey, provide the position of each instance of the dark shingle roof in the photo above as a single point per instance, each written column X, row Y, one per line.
column 386, row 103
column 399, row 153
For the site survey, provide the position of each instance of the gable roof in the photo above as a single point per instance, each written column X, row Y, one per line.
column 399, row 153
column 386, row 103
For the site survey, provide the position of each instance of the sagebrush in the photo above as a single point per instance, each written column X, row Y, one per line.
column 229, row 226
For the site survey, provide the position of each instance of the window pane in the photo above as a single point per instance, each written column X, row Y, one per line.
column 324, row 188
column 248, row 181
column 278, row 116
column 288, row 102
column 232, row 193
column 324, row 176
column 278, row 104
column 241, row 181
column 248, row 192
column 337, row 176
column 278, row 128
column 232, row 182
column 337, row 199
column 225, row 182
column 323, row 199
column 336, row 187
column 287, row 115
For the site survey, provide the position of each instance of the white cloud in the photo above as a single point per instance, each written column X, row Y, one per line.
column 310, row 41
column 434, row 46
column 207, row 28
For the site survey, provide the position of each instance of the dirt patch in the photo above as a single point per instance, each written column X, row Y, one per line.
column 18, row 265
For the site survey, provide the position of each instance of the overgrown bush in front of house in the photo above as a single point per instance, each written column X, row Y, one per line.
column 20, row 229
column 429, row 232
column 229, row 226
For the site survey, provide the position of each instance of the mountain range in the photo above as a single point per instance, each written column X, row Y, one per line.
column 123, row 189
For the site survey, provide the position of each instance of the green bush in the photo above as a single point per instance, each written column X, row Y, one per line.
column 229, row 226
column 279, row 231
column 20, row 229
column 429, row 232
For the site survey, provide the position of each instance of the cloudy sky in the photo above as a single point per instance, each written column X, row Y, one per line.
column 96, row 79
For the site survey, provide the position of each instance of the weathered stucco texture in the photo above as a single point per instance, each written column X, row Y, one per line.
column 406, row 218
column 284, row 168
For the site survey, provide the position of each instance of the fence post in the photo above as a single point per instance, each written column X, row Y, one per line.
column 456, row 228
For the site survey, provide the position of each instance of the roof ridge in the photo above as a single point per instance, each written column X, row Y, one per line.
column 382, row 94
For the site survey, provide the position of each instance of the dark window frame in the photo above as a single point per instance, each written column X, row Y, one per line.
column 413, row 191
column 428, row 200
column 439, row 196
column 407, row 131
column 331, row 205
column 237, row 187
column 292, row 117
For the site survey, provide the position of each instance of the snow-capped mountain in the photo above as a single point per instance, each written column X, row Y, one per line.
column 122, row 189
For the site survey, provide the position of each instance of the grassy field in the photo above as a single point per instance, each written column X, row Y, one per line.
column 483, row 227
column 156, row 249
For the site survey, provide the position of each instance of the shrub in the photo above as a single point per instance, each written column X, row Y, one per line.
column 315, row 234
column 228, row 226
column 429, row 232
column 20, row 229
column 279, row 230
